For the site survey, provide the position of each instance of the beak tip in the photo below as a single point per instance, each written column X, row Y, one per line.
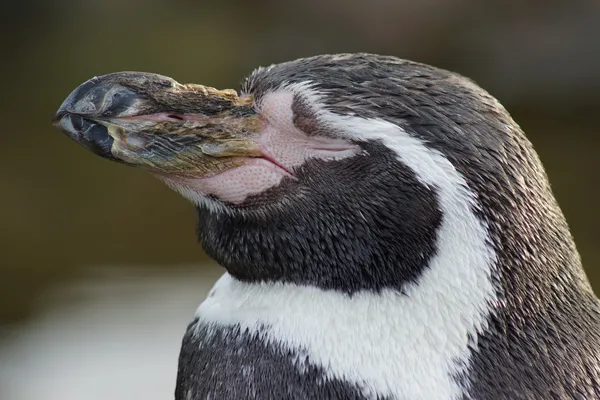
column 58, row 116
column 80, row 114
column 65, row 107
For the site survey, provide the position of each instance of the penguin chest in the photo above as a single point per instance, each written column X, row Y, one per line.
column 234, row 363
column 299, row 342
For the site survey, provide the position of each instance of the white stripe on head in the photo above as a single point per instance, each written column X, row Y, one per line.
column 391, row 344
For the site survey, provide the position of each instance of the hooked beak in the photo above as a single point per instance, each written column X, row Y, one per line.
column 152, row 121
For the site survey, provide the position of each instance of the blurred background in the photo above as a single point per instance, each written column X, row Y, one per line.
column 100, row 270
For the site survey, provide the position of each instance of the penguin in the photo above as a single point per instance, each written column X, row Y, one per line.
column 386, row 229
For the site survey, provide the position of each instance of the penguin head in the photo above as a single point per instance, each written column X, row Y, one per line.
column 347, row 172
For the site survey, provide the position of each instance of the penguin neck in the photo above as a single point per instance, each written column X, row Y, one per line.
column 375, row 336
column 343, row 251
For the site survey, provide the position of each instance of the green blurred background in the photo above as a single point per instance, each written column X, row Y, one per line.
column 64, row 211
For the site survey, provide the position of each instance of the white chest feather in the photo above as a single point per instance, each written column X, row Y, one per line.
column 388, row 344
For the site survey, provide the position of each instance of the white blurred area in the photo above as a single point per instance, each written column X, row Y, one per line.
column 110, row 336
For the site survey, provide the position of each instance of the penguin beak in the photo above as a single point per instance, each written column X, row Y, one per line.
column 154, row 122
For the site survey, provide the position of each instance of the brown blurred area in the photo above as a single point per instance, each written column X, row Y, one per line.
column 64, row 210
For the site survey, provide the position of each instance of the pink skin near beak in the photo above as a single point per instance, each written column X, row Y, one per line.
column 283, row 148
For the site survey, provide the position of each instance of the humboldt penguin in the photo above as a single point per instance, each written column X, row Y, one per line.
column 387, row 232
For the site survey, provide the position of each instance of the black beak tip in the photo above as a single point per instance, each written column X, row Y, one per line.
column 88, row 133
column 79, row 115
column 58, row 116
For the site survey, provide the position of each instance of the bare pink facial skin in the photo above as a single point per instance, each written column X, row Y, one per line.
column 284, row 147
